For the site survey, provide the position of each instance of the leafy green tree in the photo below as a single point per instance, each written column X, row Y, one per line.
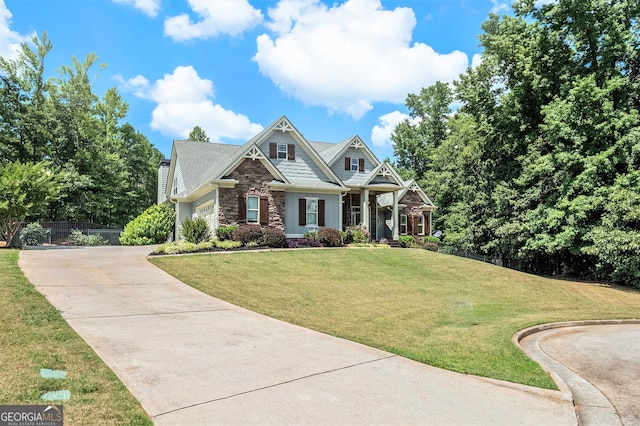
column 26, row 190
column 198, row 134
column 545, row 139
column 414, row 140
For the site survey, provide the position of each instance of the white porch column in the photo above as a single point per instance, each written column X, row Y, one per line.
column 394, row 218
column 341, row 207
column 364, row 209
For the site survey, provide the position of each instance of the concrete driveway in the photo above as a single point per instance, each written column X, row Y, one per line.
column 192, row 359
column 599, row 363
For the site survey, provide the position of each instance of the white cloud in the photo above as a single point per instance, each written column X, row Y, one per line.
column 348, row 56
column 184, row 100
column 148, row 7
column 476, row 60
column 499, row 6
column 381, row 134
column 216, row 17
column 10, row 41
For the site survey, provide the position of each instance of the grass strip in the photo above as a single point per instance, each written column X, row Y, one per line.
column 442, row 310
column 33, row 336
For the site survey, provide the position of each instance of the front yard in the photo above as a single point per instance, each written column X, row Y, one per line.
column 443, row 310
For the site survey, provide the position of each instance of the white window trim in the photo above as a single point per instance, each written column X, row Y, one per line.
column 257, row 209
column 403, row 224
column 355, row 212
column 421, row 224
column 355, row 164
column 307, row 212
column 282, row 151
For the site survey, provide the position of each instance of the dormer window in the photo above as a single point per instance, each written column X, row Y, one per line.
column 282, row 151
column 354, row 164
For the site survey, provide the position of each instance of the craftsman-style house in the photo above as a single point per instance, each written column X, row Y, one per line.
column 279, row 179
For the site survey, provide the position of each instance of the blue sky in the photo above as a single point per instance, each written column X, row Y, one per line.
column 336, row 69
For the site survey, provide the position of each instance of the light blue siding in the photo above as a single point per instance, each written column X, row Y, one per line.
column 332, row 208
column 183, row 211
column 353, row 177
column 303, row 167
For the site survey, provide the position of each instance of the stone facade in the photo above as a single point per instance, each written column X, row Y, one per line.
column 254, row 180
column 413, row 207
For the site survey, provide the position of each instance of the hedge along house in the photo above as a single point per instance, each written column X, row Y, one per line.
column 279, row 179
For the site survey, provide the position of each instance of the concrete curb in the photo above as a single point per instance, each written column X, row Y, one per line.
column 562, row 374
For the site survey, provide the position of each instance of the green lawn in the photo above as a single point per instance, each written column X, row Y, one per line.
column 34, row 335
column 443, row 310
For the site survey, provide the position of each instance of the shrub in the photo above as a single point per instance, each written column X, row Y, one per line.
column 311, row 235
column 228, row 244
column 152, row 226
column 177, row 247
column 32, row 234
column 356, row 234
column 329, row 237
column 247, row 234
column 274, row 237
column 77, row 238
column 407, row 241
column 431, row 239
column 430, row 246
column 383, row 241
column 302, row 243
column 204, row 245
column 196, row 230
column 226, row 232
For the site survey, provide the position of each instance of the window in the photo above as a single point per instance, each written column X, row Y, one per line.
column 312, row 212
column 355, row 216
column 354, row 164
column 403, row 224
column 175, row 186
column 252, row 209
column 421, row 225
column 282, row 151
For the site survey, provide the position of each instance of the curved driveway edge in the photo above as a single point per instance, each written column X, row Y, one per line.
column 596, row 363
column 193, row 359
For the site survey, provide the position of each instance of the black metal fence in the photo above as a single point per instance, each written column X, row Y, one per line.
column 507, row 263
column 58, row 233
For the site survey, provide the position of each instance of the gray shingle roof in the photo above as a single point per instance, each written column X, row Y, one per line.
column 202, row 161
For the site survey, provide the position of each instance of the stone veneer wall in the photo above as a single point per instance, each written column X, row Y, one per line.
column 254, row 180
column 413, row 204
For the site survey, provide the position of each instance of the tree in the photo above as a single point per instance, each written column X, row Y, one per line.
column 198, row 134
column 539, row 163
column 26, row 190
column 415, row 140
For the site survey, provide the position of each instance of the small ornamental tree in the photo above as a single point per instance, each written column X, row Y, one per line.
column 25, row 190
column 153, row 226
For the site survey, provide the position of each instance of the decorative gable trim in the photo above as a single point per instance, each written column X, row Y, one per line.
column 385, row 170
column 357, row 143
column 413, row 186
column 254, row 153
column 283, row 125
